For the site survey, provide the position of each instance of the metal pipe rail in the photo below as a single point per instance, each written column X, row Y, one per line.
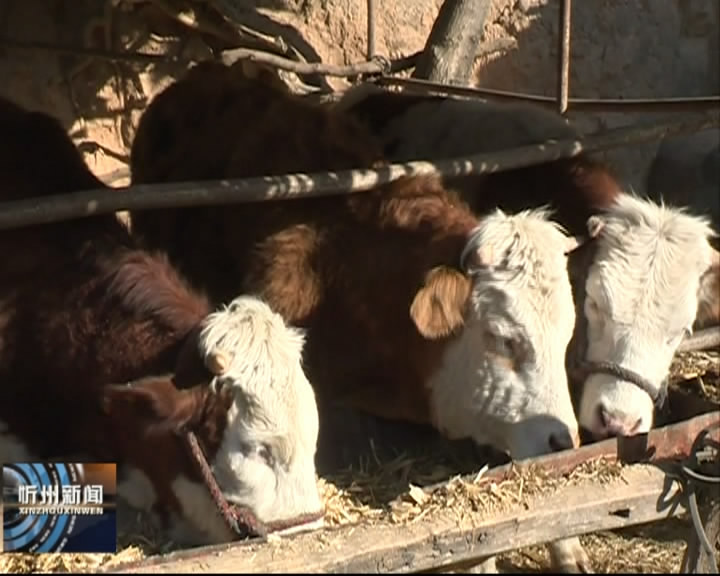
column 650, row 105
column 46, row 209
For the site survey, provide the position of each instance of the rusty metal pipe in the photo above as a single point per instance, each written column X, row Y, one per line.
column 564, row 56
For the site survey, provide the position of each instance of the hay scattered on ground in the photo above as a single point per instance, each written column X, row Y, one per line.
column 397, row 491
column 654, row 548
column 699, row 372
column 53, row 563
column 361, row 498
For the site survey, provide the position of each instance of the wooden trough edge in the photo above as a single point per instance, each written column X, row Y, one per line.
column 644, row 492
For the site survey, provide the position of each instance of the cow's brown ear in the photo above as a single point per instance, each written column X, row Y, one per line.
column 438, row 307
column 153, row 402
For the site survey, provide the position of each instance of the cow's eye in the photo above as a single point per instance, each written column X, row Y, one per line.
column 265, row 452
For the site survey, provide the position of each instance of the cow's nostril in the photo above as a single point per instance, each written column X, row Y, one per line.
column 613, row 424
column 635, row 427
column 560, row 442
column 603, row 416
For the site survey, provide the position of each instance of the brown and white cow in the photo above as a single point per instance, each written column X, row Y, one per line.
column 414, row 308
column 108, row 354
column 648, row 276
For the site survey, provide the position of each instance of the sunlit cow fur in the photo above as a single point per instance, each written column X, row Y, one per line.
column 396, row 323
column 424, row 127
column 641, row 296
column 106, row 354
column 420, row 126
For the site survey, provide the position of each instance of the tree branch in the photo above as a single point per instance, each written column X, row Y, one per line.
column 378, row 65
column 451, row 47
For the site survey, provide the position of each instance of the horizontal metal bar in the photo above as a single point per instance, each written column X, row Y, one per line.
column 45, row 209
column 697, row 104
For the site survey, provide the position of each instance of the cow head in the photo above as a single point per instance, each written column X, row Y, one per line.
column 256, row 421
column 649, row 275
column 510, row 312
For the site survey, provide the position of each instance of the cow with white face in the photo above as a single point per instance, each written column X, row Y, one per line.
column 519, row 320
column 415, row 309
column 107, row 353
column 648, row 267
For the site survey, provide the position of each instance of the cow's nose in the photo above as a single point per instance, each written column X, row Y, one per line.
column 565, row 440
column 615, row 423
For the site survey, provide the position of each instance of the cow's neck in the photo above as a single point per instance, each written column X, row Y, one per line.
column 379, row 275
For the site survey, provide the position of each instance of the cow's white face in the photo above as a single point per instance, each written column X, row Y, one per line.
column 503, row 380
column 266, row 460
column 641, row 298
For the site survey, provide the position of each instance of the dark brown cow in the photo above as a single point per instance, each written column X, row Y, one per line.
column 222, row 100
column 414, row 309
column 427, row 127
column 652, row 273
column 84, row 312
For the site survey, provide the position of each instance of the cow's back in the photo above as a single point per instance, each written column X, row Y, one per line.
column 425, row 127
column 61, row 335
column 214, row 123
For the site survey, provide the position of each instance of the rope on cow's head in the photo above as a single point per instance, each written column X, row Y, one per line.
column 240, row 519
column 579, row 367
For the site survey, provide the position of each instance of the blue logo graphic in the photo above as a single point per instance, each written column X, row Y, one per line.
column 52, row 508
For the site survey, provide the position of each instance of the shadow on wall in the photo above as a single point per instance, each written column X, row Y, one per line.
column 646, row 49
column 619, row 49
column 81, row 90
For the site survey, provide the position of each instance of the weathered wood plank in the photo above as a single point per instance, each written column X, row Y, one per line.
column 667, row 443
column 641, row 494
column 641, row 497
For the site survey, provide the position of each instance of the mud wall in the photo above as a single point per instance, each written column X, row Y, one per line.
column 620, row 48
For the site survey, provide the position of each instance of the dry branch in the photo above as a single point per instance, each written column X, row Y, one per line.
column 697, row 104
column 451, row 47
column 640, row 494
column 378, row 65
column 56, row 208
column 92, row 53
column 564, row 60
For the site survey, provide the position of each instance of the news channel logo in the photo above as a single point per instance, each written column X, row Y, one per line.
column 59, row 507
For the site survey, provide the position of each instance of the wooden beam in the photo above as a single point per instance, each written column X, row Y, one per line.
column 673, row 442
column 641, row 493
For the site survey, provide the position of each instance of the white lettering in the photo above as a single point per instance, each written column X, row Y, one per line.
column 71, row 495
column 27, row 494
column 49, row 495
column 61, row 510
column 93, row 494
